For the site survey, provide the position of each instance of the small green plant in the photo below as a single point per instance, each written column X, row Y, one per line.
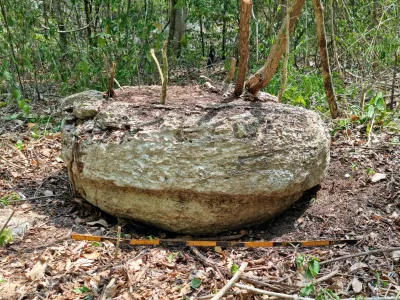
column 311, row 267
column 195, row 283
column 2, row 280
column 5, row 237
column 234, row 269
column 81, row 290
column 5, row 200
column 172, row 255
column 370, row 171
column 353, row 166
column 19, row 145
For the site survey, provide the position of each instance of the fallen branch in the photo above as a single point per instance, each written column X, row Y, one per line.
column 118, row 242
column 250, row 279
column 327, row 276
column 231, row 282
column 360, row 254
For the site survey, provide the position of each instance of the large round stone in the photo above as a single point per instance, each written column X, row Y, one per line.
column 197, row 165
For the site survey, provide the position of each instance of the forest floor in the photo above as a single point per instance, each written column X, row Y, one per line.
column 359, row 198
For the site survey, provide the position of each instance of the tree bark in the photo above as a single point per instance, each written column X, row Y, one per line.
column 244, row 34
column 285, row 62
column 11, row 44
column 176, row 28
column 334, row 48
column 224, row 29
column 88, row 15
column 326, row 72
column 61, row 26
column 265, row 74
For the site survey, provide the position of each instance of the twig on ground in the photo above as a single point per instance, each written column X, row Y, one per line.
column 231, row 282
column 327, row 276
column 212, row 295
column 259, row 291
column 118, row 240
column 34, row 198
column 250, row 279
column 360, row 254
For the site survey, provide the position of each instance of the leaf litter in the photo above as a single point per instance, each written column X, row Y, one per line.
column 47, row 264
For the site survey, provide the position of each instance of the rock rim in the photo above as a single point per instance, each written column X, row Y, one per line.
column 200, row 164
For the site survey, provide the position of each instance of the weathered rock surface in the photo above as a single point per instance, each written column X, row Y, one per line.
column 197, row 165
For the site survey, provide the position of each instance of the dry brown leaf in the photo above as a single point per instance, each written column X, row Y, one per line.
column 357, row 285
column 93, row 255
column 31, row 125
column 357, row 266
column 37, row 271
column 377, row 177
column 68, row 265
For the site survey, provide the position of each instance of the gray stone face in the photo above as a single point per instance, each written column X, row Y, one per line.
column 220, row 167
column 84, row 105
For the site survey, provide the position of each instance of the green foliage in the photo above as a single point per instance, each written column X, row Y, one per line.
column 2, row 280
column 5, row 237
column 81, row 290
column 7, row 198
column 195, row 283
column 312, row 268
column 19, row 145
column 234, row 269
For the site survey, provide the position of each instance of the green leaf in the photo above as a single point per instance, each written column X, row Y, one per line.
column 81, row 290
column 83, row 66
column 299, row 260
column 19, row 145
column 313, row 268
column 307, row 290
column 2, row 280
column 101, row 42
column 371, row 110
column 96, row 244
column 380, row 104
column 7, row 75
column 195, row 283
column 234, row 268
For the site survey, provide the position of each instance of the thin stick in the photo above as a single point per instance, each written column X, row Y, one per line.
column 118, row 240
column 327, row 276
column 259, row 291
column 231, row 282
column 285, row 61
column 285, row 296
column 8, row 220
column 157, row 64
column 165, row 73
column 370, row 130
column 360, row 254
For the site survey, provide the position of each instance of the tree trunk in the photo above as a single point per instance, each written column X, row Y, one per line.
column 61, row 26
column 224, row 30
column 334, row 48
column 171, row 33
column 285, row 62
column 244, row 34
column 396, row 59
column 11, row 44
column 177, row 28
column 330, row 93
column 265, row 74
column 88, row 14
column 202, row 37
